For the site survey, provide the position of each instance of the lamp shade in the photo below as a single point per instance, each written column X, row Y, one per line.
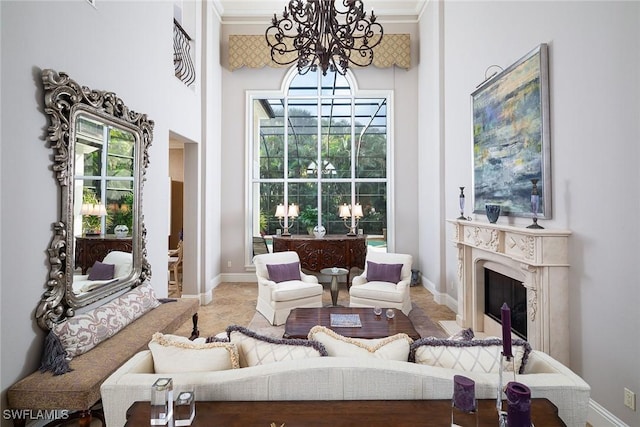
column 344, row 212
column 280, row 211
column 357, row 210
column 96, row 209
column 293, row 211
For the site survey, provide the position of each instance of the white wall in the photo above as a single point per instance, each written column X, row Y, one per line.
column 234, row 87
column 431, row 155
column 108, row 48
column 595, row 128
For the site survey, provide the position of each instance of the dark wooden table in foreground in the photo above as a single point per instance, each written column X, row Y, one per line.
column 342, row 413
column 301, row 320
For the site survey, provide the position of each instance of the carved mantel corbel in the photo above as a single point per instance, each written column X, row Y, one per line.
column 531, row 284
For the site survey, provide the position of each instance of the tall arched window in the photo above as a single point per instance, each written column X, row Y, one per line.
column 319, row 144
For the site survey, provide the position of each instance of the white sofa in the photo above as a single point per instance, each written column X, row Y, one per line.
column 341, row 378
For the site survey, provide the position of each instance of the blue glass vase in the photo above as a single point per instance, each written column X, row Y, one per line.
column 493, row 212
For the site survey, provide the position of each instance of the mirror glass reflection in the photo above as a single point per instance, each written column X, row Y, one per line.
column 103, row 202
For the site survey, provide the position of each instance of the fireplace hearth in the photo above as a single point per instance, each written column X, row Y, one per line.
column 536, row 260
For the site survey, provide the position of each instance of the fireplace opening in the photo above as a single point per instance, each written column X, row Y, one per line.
column 499, row 289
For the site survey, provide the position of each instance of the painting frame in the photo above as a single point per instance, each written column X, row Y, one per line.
column 511, row 137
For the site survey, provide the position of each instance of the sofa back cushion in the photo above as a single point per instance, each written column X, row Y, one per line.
column 255, row 349
column 395, row 347
column 478, row 355
column 174, row 354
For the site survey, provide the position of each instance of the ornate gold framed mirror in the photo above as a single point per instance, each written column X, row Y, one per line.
column 100, row 159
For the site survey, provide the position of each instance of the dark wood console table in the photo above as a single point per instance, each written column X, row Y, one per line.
column 90, row 249
column 332, row 250
column 383, row 413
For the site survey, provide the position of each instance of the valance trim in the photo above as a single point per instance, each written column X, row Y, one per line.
column 252, row 51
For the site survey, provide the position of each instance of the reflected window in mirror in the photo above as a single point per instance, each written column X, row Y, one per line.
column 104, row 176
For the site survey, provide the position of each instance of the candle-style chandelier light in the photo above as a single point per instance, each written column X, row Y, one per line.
column 315, row 33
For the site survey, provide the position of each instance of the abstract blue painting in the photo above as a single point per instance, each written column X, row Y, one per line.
column 511, row 137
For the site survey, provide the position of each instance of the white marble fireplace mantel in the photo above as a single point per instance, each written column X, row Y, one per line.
column 537, row 258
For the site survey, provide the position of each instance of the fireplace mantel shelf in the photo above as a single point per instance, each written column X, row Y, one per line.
column 536, row 247
column 538, row 258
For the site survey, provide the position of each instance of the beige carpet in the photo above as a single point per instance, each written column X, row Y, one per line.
column 235, row 304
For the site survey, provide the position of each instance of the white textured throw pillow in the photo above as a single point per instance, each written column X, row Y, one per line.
column 82, row 332
column 395, row 347
column 173, row 354
column 256, row 349
column 476, row 355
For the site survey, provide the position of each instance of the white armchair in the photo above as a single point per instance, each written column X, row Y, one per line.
column 277, row 299
column 371, row 293
column 123, row 264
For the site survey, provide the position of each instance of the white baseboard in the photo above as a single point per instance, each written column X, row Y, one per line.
column 238, row 277
column 600, row 417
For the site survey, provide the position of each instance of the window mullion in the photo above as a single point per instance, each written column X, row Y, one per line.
column 319, row 159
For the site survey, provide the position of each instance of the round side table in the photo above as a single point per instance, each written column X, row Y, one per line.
column 334, row 273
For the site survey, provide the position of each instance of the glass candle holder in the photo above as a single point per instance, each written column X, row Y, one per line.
column 161, row 401
column 185, row 410
column 377, row 310
column 390, row 313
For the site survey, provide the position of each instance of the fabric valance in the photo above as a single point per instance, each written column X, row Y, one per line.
column 252, row 51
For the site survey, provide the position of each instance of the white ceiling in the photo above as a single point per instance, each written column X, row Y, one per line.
column 259, row 10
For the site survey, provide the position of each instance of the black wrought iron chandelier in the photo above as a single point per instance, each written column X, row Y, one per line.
column 315, row 33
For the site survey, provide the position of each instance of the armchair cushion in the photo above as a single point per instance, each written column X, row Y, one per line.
column 173, row 354
column 101, row 271
column 383, row 272
column 284, row 272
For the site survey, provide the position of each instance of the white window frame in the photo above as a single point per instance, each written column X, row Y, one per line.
column 251, row 144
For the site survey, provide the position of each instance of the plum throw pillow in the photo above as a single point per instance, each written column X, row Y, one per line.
column 383, row 272
column 284, row 272
column 101, row 271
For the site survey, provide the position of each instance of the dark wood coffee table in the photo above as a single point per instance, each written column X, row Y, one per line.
column 342, row 413
column 301, row 320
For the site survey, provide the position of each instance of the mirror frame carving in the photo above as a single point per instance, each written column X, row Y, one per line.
column 64, row 99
